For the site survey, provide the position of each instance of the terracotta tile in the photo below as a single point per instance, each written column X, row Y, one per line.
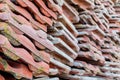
column 21, row 19
column 44, row 12
column 79, row 44
column 70, row 12
column 16, row 54
column 64, row 47
column 65, row 37
column 79, row 72
column 60, row 25
column 25, row 42
column 40, row 75
column 59, row 2
column 84, row 4
column 54, row 6
column 38, row 45
column 76, row 77
column 35, row 24
column 95, row 58
column 17, row 31
column 41, row 34
column 37, row 14
column 61, row 59
column 90, row 47
column 27, row 30
column 44, row 42
column 1, row 77
column 68, row 24
column 62, row 67
column 19, row 70
column 42, row 4
column 99, row 21
column 85, row 54
column 9, row 33
column 53, row 71
column 28, row 44
column 24, row 13
column 40, row 66
column 108, row 57
column 112, row 64
column 59, row 55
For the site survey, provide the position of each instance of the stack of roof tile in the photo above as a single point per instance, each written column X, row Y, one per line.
column 23, row 38
column 59, row 39
column 98, row 40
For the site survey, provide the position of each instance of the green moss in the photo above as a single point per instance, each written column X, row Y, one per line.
column 12, row 40
column 41, row 69
column 11, row 55
column 4, row 63
column 37, row 58
column 6, row 32
column 9, row 52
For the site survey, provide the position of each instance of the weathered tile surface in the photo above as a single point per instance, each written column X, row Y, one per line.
column 60, row 39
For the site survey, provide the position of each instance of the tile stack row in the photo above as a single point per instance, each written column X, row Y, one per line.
column 59, row 40
column 38, row 41
column 24, row 44
column 98, row 40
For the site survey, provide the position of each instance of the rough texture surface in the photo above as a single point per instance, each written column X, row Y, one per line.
column 60, row 39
